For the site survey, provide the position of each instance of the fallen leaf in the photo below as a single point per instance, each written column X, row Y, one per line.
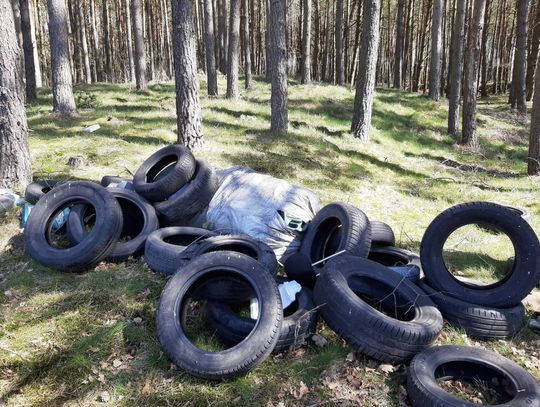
column 104, row 397
column 146, row 387
column 350, row 357
column 386, row 368
column 143, row 295
column 300, row 391
column 319, row 340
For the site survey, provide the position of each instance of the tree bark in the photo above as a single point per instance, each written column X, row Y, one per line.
column 519, row 91
column 139, row 54
column 278, row 60
column 472, row 60
column 340, row 70
column 129, row 42
column 15, row 171
column 306, row 43
column 234, row 44
column 483, row 73
column 365, row 85
column 534, row 140
column 28, row 45
column 398, row 52
column 454, row 83
column 188, row 109
column 436, row 47
column 16, row 10
column 62, row 81
column 247, row 46
column 84, row 42
column 210, row 48
column 532, row 56
column 108, row 74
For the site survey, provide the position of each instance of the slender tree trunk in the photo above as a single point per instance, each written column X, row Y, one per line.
column 84, row 43
column 454, row 84
column 269, row 63
column 139, row 54
column 62, row 82
column 210, row 48
column 365, row 86
column 188, row 109
column 28, row 45
column 472, row 60
column 483, row 71
column 15, row 171
column 398, row 52
column 234, row 44
column 340, row 70
column 278, row 52
column 519, row 93
column 33, row 24
column 306, row 42
column 316, row 45
column 130, row 42
column 17, row 18
column 534, row 140
column 107, row 42
column 436, row 47
column 247, row 46
column 532, row 56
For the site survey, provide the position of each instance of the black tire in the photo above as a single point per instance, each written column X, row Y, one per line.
column 134, row 209
column 472, row 365
column 164, row 173
column 37, row 189
column 395, row 257
column 111, row 179
column 93, row 248
column 506, row 293
column 336, row 227
column 382, row 234
column 164, row 248
column 365, row 328
column 240, row 358
column 227, row 290
column 295, row 329
column 192, row 198
column 478, row 321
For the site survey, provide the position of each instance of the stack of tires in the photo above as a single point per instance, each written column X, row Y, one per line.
column 483, row 311
column 378, row 310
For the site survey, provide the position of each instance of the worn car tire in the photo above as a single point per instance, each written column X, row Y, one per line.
column 240, row 358
column 192, row 198
column 295, row 329
column 382, row 234
column 399, row 260
column 472, row 365
column 365, row 328
column 336, row 227
column 95, row 247
column 478, row 321
column 37, row 189
column 504, row 294
column 135, row 209
column 164, row 173
column 164, row 248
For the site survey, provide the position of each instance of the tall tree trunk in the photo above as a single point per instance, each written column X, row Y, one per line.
column 306, row 42
column 532, row 56
column 340, row 70
column 188, row 108
column 130, row 42
column 483, row 73
column 534, row 140
column 398, row 53
column 28, row 45
column 269, row 63
column 316, row 44
column 62, row 81
column 472, row 60
column 234, row 45
column 84, row 42
column 454, row 83
column 247, row 46
column 210, row 49
column 519, row 91
column 365, row 85
column 15, row 171
column 16, row 10
column 436, row 46
column 109, row 75
column 139, row 54
column 33, row 30
column 278, row 52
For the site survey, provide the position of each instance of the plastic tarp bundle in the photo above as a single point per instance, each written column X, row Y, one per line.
column 263, row 207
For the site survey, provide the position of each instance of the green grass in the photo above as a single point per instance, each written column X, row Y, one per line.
column 67, row 338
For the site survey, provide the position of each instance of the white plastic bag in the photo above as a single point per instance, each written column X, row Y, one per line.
column 264, row 207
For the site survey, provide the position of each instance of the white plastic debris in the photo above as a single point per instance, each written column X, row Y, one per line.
column 8, row 199
column 92, row 128
column 123, row 185
column 259, row 205
column 287, row 291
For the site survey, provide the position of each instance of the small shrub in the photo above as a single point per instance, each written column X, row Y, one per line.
column 86, row 100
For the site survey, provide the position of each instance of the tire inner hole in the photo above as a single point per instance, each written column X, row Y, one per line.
column 161, row 168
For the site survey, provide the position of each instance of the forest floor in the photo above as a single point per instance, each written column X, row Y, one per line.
column 90, row 339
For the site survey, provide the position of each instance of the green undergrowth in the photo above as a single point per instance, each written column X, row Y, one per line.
column 90, row 338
